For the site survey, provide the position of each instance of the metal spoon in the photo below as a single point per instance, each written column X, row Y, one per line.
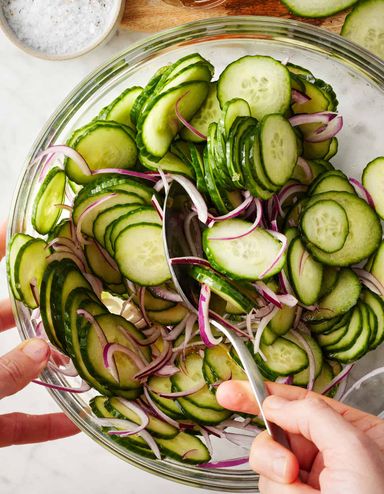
column 178, row 206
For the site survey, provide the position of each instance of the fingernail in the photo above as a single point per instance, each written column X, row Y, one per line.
column 37, row 350
column 275, row 402
column 279, row 466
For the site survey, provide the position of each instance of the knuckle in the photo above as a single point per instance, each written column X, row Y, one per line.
column 312, row 402
column 16, row 431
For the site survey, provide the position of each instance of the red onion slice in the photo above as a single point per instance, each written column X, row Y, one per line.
column 284, row 242
column 225, row 463
column 323, row 117
column 153, row 177
column 193, row 261
column 142, row 306
column 232, row 214
column 156, row 205
column 157, row 363
column 181, row 394
column 303, row 342
column 370, row 281
column 196, row 197
column 165, row 293
column 177, row 330
column 185, row 122
column 159, row 412
column 298, row 97
column 85, row 213
column 303, row 164
column 108, row 352
column 69, row 153
column 362, row 191
column 203, row 318
column 82, row 389
column 167, row 371
column 259, row 332
column 326, row 132
column 343, row 374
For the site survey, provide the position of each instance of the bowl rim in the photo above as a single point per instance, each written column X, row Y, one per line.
column 108, row 32
column 358, row 57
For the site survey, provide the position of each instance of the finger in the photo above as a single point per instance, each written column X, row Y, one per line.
column 238, row 396
column 6, row 315
column 272, row 460
column 314, row 419
column 19, row 428
column 21, row 365
column 3, row 235
column 268, row 486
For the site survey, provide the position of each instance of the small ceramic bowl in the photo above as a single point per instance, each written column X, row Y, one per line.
column 110, row 29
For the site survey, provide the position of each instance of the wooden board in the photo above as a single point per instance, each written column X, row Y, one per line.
column 155, row 15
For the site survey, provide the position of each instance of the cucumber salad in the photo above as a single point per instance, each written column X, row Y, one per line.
column 287, row 249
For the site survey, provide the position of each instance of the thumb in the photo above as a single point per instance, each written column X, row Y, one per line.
column 21, row 365
column 315, row 420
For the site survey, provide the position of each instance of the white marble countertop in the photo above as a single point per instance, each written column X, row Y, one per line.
column 30, row 89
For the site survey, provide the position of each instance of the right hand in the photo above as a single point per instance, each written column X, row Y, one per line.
column 335, row 449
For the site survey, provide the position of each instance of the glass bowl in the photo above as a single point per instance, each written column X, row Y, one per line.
column 358, row 79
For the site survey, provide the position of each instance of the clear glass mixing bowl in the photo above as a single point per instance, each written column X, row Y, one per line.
column 358, row 79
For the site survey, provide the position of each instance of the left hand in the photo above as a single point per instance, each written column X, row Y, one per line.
column 17, row 369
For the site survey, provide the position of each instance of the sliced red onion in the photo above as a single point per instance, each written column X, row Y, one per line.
column 225, row 463
column 248, row 322
column 108, row 352
column 66, row 242
column 165, row 293
column 304, row 165
column 130, row 173
column 108, row 258
column 259, row 332
column 284, row 380
column 135, row 341
column 196, row 197
column 283, row 239
column 190, row 127
column 85, row 213
column 142, row 415
column 242, row 440
column 268, row 294
column 323, row 117
column 303, row 259
column 299, row 312
column 142, row 305
column 362, row 191
column 188, row 234
column 194, row 345
column 370, row 281
column 167, row 371
column 157, row 363
column 69, row 153
column 181, row 394
column 340, row 390
column 358, row 383
column 203, row 318
column 207, row 440
column 99, row 330
column 68, row 370
column 64, row 206
column 159, row 412
column 284, row 283
column 193, row 261
column 177, row 330
column 326, row 132
column 95, row 282
column 156, row 205
column 35, row 291
column 298, row 97
column 291, row 189
column 303, row 342
column 49, row 159
column 189, row 330
column 165, row 180
column 151, row 443
column 69, row 194
column 343, row 374
column 213, row 315
column 232, row 214
column 82, row 389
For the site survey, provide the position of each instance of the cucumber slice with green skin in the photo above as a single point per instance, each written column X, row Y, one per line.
column 107, row 200
column 373, row 178
column 282, row 322
column 268, row 336
column 305, row 273
column 302, row 378
column 62, row 230
column 318, row 102
column 66, row 278
column 317, row 8
column 29, row 267
column 92, row 351
column 323, row 327
column 202, row 416
column 332, row 180
column 154, row 303
column 160, row 123
column 301, row 71
column 333, row 148
column 81, row 298
column 158, row 428
column 120, row 109
column 100, row 265
column 144, row 96
column 45, row 303
column 169, row 163
column 377, row 265
column 377, row 305
column 216, row 149
column 325, row 225
column 222, row 288
column 246, row 257
column 160, row 384
column 212, row 188
column 365, row 26
column 320, row 150
column 107, row 217
column 353, row 332
column 139, row 253
column 323, row 379
column 233, row 148
column 333, row 337
column 262, row 81
column 361, row 344
column 221, row 365
column 45, row 208
column 168, row 317
column 330, row 275
column 209, row 112
column 191, row 375
column 232, row 109
column 259, row 170
column 373, row 324
column 340, row 300
column 198, row 166
column 17, row 242
column 143, row 214
column 182, row 444
column 284, row 357
column 114, row 182
column 103, row 145
column 278, row 148
column 364, row 230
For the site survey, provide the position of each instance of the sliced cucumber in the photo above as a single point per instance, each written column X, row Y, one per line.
column 365, row 26
column 284, row 357
column 329, row 181
column 373, row 178
column 100, row 264
column 107, row 217
column 159, row 384
column 246, row 257
column 46, row 210
column 262, row 81
column 317, row 8
column 377, row 305
column 282, row 322
column 168, row 317
column 325, row 225
column 232, row 109
column 332, row 337
column 349, row 338
column 302, row 378
column 16, row 243
column 120, row 108
column 186, row 448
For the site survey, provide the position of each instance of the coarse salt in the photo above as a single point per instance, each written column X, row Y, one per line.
column 59, row 27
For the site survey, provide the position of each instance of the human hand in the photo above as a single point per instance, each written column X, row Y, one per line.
column 335, row 448
column 17, row 369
